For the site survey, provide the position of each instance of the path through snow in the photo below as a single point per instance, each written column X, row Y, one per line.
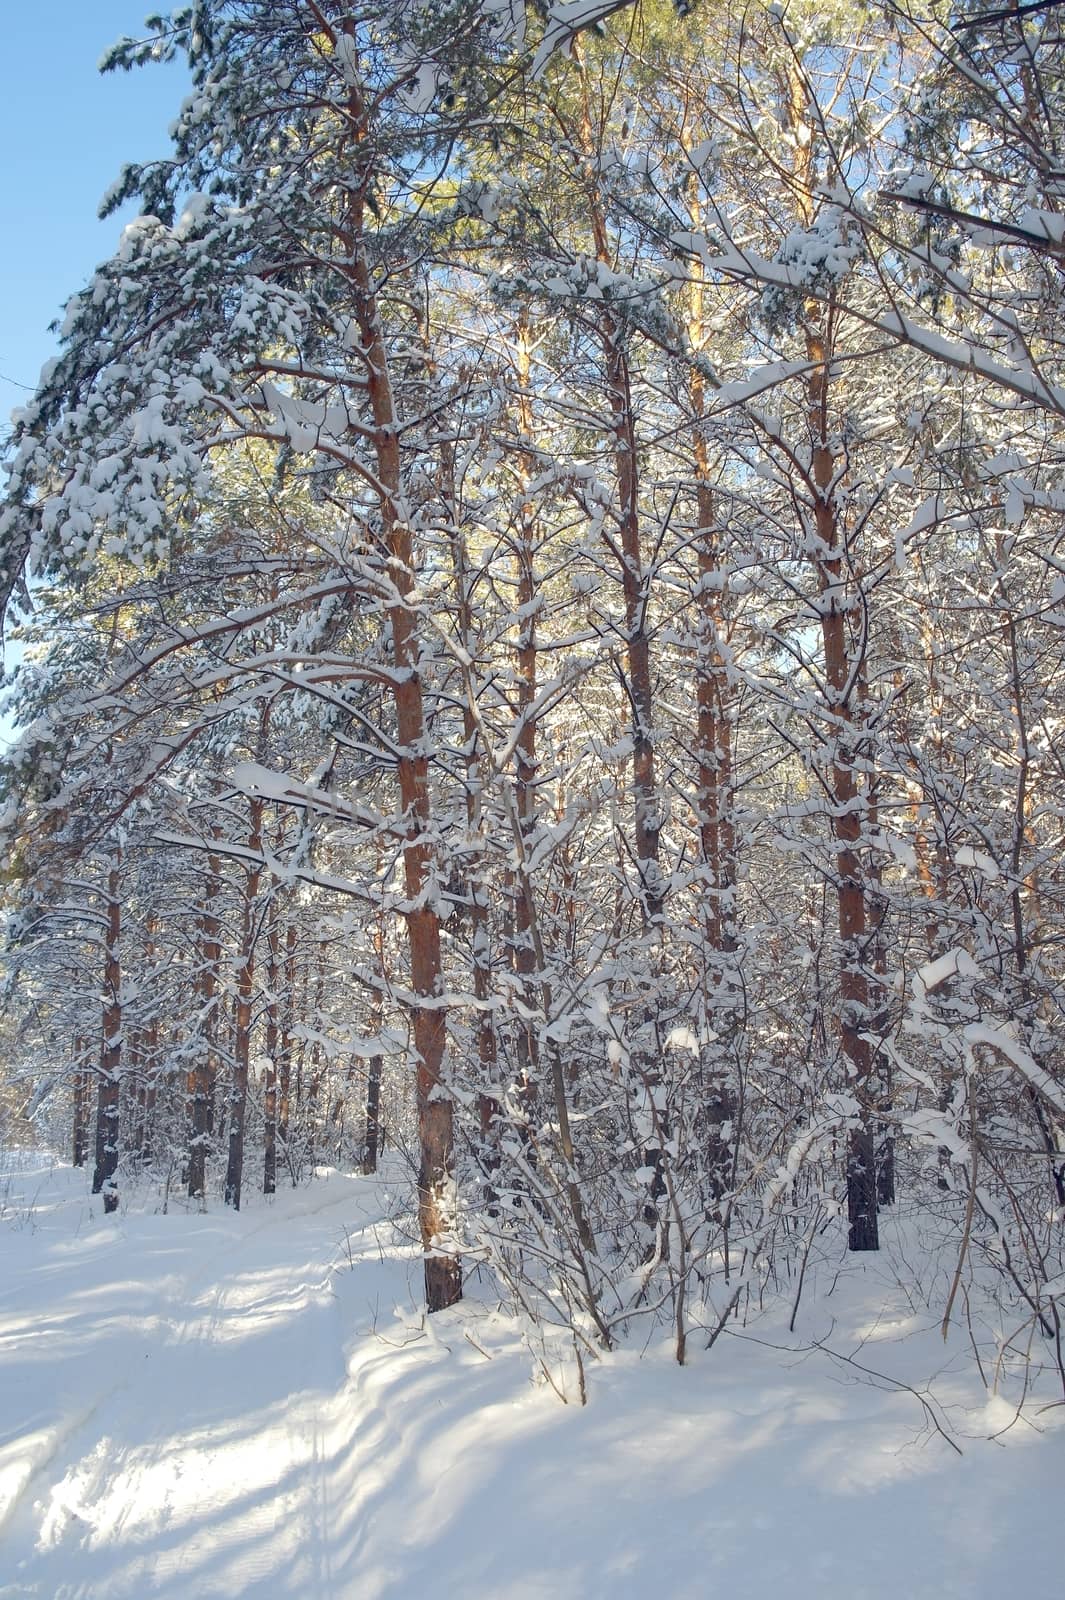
column 249, row 1406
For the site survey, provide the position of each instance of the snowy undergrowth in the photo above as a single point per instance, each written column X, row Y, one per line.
column 252, row 1405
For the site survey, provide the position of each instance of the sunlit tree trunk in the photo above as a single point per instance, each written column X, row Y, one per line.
column 436, row 1188
column 473, row 886
column 523, row 539
column 843, row 666
column 638, row 681
column 716, row 713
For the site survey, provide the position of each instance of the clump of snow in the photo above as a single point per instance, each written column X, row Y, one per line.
column 978, row 860
column 954, row 964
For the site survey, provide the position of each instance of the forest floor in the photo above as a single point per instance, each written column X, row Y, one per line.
column 253, row 1405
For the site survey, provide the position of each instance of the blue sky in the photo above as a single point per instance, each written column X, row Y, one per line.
column 65, row 132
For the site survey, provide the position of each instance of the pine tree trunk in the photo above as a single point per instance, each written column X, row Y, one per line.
column 523, row 954
column 848, row 810
column 82, row 1082
column 647, row 818
column 108, row 1093
column 842, row 678
column 202, row 1075
column 284, row 1065
column 436, row 1197
column 238, row 1097
column 373, row 1116
column 716, row 702
column 488, row 1105
column 273, row 976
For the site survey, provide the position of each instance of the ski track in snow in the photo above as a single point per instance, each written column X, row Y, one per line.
column 253, row 1406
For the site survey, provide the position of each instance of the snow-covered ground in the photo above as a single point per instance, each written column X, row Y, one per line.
column 201, row 1405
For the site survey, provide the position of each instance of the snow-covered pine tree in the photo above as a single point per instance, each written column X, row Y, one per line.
column 263, row 295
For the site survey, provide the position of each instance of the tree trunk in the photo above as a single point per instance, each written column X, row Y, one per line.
column 848, row 808
column 238, row 1095
column 715, row 700
column 273, row 977
column 523, row 954
column 284, row 1065
column 843, row 672
column 647, row 819
column 202, row 1074
column 436, row 1197
column 82, row 1081
column 372, row 1141
column 488, row 1105
column 108, row 1098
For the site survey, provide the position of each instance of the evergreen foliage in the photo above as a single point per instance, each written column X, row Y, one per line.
column 545, row 642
